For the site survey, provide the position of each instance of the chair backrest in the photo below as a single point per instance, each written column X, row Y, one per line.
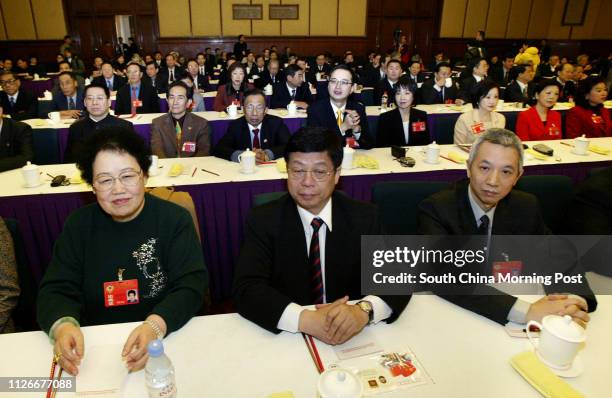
column 264, row 198
column 554, row 194
column 398, row 203
column 182, row 199
column 24, row 314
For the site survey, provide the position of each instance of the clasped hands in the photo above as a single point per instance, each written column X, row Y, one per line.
column 333, row 323
column 560, row 304
column 351, row 121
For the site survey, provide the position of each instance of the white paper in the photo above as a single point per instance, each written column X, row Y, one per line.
column 102, row 372
column 360, row 345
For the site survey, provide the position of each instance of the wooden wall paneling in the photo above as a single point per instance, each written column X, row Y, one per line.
column 142, row 7
column 590, row 19
column 105, row 30
column 201, row 22
column 398, row 8
column 49, row 19
column 146, row 26
column 301, row 26
column 518, row 20
column 603, row 26
column 375, row 8
column 266, row 27
column 453, row 17
column 497, row 19
column 124, row 7
column 46, row 50
column 539, row 20
column 18, row 20
column 352, row 17
column 2, row 27
column 423, row 38
column 323, row 17
column 475, row 17
column 555, row 30
column 85, row 31
column 174, row 18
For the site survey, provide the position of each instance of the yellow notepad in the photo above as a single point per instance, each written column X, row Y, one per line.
column 541, row 377
column 598, row 149
column 536, row 154
column 456, row 157
column 366, row 162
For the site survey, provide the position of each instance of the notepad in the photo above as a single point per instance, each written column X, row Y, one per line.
column 102, row 372
column 541, row 377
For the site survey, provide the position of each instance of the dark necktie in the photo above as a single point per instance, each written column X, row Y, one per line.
column 201, row 70
column 293, row 93
column 442, row 95
column 70, row 103
column 314, row 259
column 172, row 75
column 12, row 101
column 109, row 85
column 256, row 139
column 483, row 228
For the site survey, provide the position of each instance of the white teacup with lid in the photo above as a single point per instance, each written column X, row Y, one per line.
column 560, row 338
column 339, row 383
column 232, row 110
column 292, row 108
column 31, row 175
column 247, row 161
column 348, row 157
column 581, row 145
column 432, row 153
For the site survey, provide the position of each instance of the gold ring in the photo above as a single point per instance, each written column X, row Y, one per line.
column 57, row 357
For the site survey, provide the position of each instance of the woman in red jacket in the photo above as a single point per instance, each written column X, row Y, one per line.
column 540, row 122
column 235, row 88
column 589, row 117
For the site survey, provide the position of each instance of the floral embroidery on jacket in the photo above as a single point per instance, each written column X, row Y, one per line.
column 149, row 265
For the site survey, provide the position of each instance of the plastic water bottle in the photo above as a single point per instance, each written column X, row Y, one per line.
column 159, row 372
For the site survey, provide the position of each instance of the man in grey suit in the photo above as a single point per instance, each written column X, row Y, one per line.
column 180, row 133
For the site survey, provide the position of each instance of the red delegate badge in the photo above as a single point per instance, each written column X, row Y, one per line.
column 507, row 268
column 352, row 142
column 554, row 131
column 596, row 119
column 121, row 292
column 418, row 126
column 189, row 146
column 478, row 128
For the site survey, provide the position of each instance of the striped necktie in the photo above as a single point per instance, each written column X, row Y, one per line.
column 179, row 137
column 314, row 259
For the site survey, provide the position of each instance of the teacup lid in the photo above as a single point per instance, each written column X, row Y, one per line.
column 564, row 328
column 29, row 166
column 248, row 153
column 339, row 383
column 582, row 138
column 433, row 145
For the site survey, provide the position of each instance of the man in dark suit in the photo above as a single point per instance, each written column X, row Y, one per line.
column 549, row 69
column 345, row 117
column 172, row 72
column 136, row 96
column 15, row 143
column 501, row 74
column 394, row 71
column 271, row 76
column 266, row 135
column 478, row 69
column 486, row 204
column 372, row 71
column 414, row 73
column 97, row 103
column 200, row 82
column 565, row 75
column 69, row 102
column 294, row 90
column 441, row 89
column 180, row 133
column 109, row 79
column 521, row 89
column 76, row 64
column 320, row 71
column 205, row 63
column 303, row 249
column 17, row 103
column 258, row 69
column 154, row 78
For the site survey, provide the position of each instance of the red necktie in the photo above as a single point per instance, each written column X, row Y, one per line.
column 134, row 98
column 314, row 259
column 256, row 139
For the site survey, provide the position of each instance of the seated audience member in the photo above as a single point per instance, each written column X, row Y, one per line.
column 303, row 249
column 172, row 71
column 205, row 64
column 521, row 89
column 482, row 117
column 372, row 74
column 35, row 67
column 321, row 70
column 549, row 69
column 15, row 143
column 7, row 65
column 579, row 74
column 223, row 76
column 76, row 64
column 401, row 126
column 478, row 69
column 197, row 101
column 136, row 96
column 65, row 67
column 233, row 91
column 109, row 79
column 271, row 76
column 387, row 85
column 126, row 235
column 9, row 281
column 589, row 116
column 414, row 73
column 340, row 114
column 200, row 82
column 441, row 89
column 96, row 68
column 179, row 133
column 264, row 134
column 21, row 69
column 154, row 78
column 294, row 90
column 501, row 74
column 486, row 204
column 17, row 103
column 540, row 122
column 565, row 75
column 258, row 69
column 97, row 102
column 159, row 60
column 439, row 57
column 69, row 102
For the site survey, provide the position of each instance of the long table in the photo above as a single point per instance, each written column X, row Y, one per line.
column 223, row 202
column 466, row 356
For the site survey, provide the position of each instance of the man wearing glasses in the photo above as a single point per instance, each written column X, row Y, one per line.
column 136, row 96
column 339, row 113
column 264, row 134
column 304, row 249
column 179, row 133
column 97, row 102
column 19, row 104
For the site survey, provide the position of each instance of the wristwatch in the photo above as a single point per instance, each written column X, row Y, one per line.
column 366, row 307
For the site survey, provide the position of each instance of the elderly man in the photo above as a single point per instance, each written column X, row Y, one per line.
column 136, row 96
column 17, row 103
column 109, row 79
column 303, row 249
column 293, row 91
column 15, row 143
column 486, row 204
column 70, row 101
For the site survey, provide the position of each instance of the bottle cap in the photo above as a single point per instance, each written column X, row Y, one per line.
column 155, row 348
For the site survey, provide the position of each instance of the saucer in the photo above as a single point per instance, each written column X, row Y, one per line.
column 33, row 186
column 248, row 172
column 579, row 154
column 438, row 162
column 575, row 370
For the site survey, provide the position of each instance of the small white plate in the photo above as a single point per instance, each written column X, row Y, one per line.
column 579, row 154
column 33, row 186
column 575, row 370
column 248, row 172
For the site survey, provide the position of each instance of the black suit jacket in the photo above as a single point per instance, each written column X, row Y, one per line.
column 467, row 85
column 497, row 75
column 449, row 212
column 370, row 75
column 82, row 129
column 274, row 135
column 202, row 83
column 15, row 144
column 266, row 79
column 321, row 113
column 118, row 82
column 311, row 76
column 60, row 102
column 281, row 96
column 161, row 83
column 26, row 106
column 429, row 95
column 568, row 90
column 391, row 131
column 383, row 86
column 513, row 93
column 147, row 94
column 272, row 268
column 178, row 72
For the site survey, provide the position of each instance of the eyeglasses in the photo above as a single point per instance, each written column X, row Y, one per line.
column 318, row 175
column 98, row 99
column 7, row 82
column 258, row 108
column 128, row 179
column 342, row 83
